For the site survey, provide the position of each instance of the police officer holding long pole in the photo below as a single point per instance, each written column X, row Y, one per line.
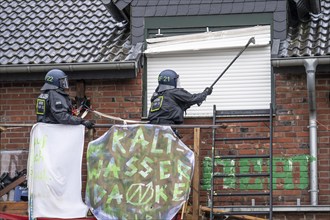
column 169, row 101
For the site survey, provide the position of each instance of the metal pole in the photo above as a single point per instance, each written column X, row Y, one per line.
column 271, row 162
column 251, row 40
column 213, row 163
column 110, row 125
column 310, row 66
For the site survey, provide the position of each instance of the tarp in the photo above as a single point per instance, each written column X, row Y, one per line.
column 138, row 172
column 54, row 171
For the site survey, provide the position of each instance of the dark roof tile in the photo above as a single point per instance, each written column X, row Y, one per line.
column 138, row 32
column 172, row 10
column 279, row 16
column 138, row 23
column 249, row 7
column 226, row 8
column 215, row 9
column 281, row 7
column 195, row 2
column 143, row 2
column 229, row 1
column 121, row 4
column 164, row 2
column 174, row 2
column 150, row 11
column 205, row 9
column 161, row 10
column 260, row 7
column 206, row 1
column 51, row 31
column 309, row 38
column 208, row 7
column 138, row 11
column 183, row 9
column 280, row 26
column 271, row 6
column 238, row 8
column 193, row 9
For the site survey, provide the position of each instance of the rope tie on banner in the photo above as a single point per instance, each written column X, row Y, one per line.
column 125, row 121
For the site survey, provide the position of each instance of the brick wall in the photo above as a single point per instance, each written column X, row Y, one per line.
column 292, row 132
column 123, row 98
column 290, row 146
column 119, row 98
column 16, row 106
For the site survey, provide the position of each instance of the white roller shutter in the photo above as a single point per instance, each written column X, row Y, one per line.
column 200, row 58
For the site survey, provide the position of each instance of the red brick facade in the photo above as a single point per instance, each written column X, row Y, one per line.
column 123, row 98
column 118, row 98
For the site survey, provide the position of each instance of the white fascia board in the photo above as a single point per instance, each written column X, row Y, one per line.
column 209, row 40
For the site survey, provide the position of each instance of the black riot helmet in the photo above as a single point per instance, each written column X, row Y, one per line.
column 55, row 79
column 167, row 79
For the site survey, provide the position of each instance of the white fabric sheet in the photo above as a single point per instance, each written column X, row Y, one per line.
column 54, row 171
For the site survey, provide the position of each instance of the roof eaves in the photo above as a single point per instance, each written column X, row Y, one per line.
column 114, row 70
column 296, row 64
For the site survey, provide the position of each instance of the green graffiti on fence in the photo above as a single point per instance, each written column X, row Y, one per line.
column 288, row 172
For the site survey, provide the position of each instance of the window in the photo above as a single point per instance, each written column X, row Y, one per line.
column 200, row 58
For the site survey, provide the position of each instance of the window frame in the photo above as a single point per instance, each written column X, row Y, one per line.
column 179, row 25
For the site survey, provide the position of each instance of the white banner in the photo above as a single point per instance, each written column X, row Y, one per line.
column 54, row 171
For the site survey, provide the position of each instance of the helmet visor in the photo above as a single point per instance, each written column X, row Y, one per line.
column 178, row 83
column 64, row 83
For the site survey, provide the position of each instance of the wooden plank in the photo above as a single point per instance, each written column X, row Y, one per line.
column 18, row 208
column 80, row 90
column 196, row 179
column 246, row 217
column 12, row 185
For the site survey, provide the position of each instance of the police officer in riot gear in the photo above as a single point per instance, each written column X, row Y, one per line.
column 169, row 102
column 54, row 105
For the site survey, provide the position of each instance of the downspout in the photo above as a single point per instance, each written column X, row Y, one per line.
column 310, row 66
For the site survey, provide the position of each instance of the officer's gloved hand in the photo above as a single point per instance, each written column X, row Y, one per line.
column 208, row 90
column 87, row 124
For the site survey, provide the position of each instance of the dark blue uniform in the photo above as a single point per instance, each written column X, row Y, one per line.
column 55, row 107
column 168, row 107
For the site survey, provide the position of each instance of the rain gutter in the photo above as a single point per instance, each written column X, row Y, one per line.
column 90, row 70
column 281, row 62
column 65, row 67
column 310, row 65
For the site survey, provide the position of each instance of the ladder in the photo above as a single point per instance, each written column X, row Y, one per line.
column 226, row 145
